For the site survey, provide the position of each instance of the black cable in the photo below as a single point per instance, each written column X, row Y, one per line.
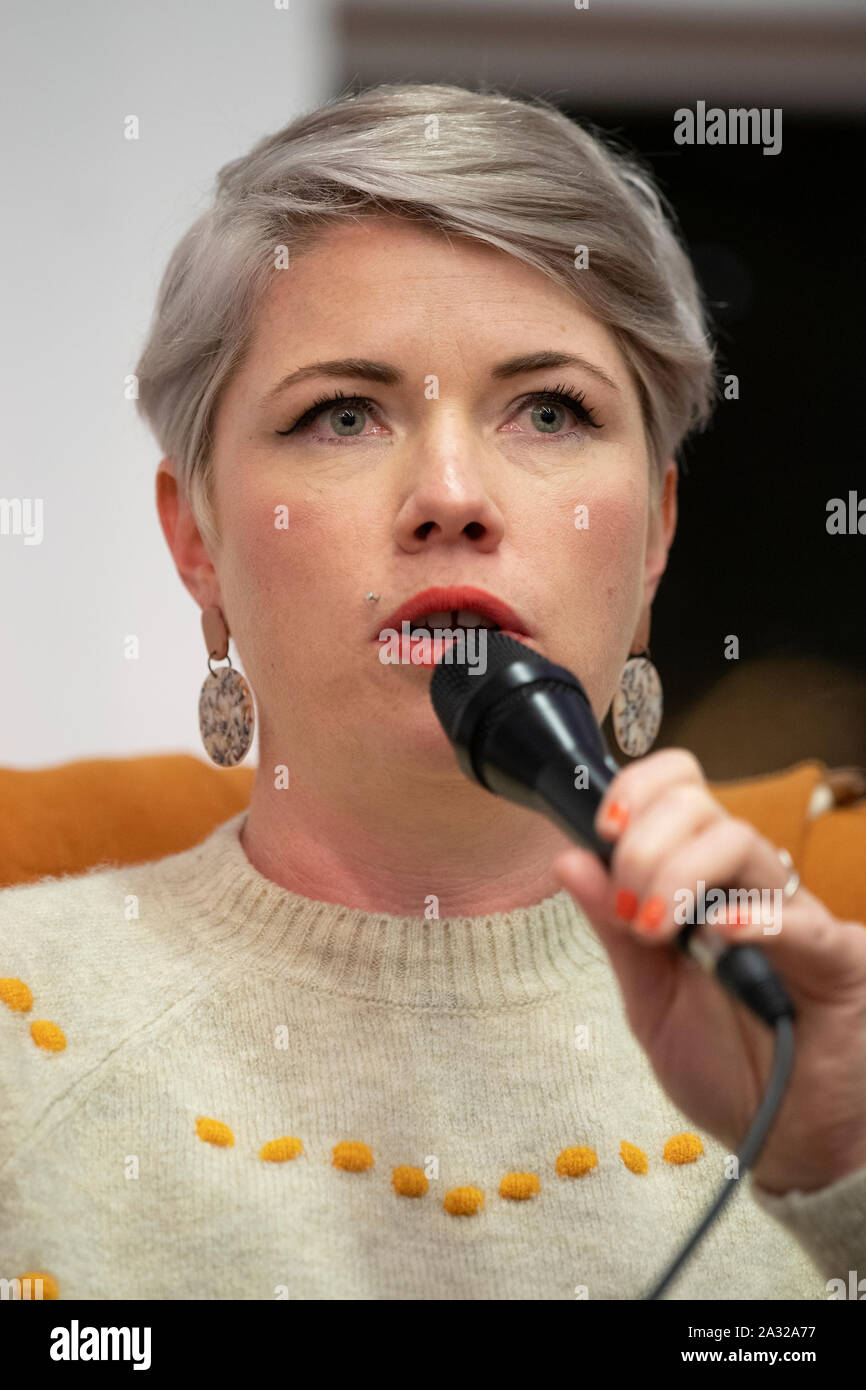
column 780, row 1073
column 521, row 732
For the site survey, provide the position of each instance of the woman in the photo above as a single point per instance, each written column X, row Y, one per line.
column 383, row 1035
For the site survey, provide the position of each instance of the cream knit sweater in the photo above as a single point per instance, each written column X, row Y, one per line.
column 224, row 1090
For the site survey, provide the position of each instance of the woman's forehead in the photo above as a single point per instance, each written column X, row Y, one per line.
column 372, row 295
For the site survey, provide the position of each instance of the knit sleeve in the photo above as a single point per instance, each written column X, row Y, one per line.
column 830, row 1224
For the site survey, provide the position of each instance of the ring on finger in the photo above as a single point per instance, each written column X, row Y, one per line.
column 793, row 882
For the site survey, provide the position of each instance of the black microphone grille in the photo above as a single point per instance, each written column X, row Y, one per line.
column 452, row 684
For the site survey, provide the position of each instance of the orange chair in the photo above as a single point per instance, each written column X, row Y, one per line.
column 65, row 819
column 101, row 811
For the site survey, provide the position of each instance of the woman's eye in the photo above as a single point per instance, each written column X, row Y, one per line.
column 549, row 417
column 345, row 416
column 347, row 420
column 558, row 412
column 552, row 412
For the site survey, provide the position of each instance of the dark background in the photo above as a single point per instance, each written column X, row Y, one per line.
column 777, row 243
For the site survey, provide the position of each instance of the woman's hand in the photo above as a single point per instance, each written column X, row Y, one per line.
column 709, row 1052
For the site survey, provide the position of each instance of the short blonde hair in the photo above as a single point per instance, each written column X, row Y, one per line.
column 519, row 175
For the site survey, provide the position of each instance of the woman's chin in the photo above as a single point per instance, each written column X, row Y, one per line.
column 409, row 731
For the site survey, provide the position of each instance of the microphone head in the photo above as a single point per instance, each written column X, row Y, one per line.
column 521, row 728
column 452, row 686
column 462, row 698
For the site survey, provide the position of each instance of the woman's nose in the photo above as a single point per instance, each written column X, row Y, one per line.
column 450, row 501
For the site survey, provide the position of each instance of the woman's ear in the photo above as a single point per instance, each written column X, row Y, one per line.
column 184, row 538
column 662, row 525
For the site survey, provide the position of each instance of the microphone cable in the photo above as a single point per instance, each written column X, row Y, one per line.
column 519, row 732
column 780, row 1074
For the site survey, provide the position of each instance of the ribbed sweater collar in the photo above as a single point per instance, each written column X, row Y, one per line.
column 500, row 960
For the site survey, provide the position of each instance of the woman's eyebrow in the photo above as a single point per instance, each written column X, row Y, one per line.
column 340, row 366
column 535, row 361
column 387, row 375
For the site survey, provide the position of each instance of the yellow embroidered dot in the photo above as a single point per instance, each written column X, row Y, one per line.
column 574, row 1163
column 213, row 1132
column 518, row 1187
column 355, row 1157
column 30, row 1287
column 47, row 1035
column 278, row 1150
column 683, row 1148
column 409, row 1182
column 16, row 995
column 463, row 1201
column 634, row 1158
column 352, row 1156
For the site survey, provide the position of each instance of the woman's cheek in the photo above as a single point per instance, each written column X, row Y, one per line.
column 266, row 567
column 611, row 550
column 605, row 584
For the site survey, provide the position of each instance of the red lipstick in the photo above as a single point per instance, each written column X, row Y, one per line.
column 447, row 599
column 452, row 598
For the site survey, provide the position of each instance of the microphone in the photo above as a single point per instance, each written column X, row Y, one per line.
column 525, row 730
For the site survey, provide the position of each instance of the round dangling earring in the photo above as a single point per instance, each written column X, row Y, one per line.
column 226, row 716
column 636, row 713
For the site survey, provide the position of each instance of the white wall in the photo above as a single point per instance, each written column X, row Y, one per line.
column 89, row 220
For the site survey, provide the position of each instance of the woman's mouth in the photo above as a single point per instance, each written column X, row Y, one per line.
column 430, row 639
column 426, row 628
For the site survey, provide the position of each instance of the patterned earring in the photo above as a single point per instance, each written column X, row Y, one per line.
column 636, row 713
column 225, row 707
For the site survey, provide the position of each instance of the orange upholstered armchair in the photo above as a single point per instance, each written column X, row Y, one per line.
column 66, row 819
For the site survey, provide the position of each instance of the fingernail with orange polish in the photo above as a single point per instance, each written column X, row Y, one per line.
column 651, row 914
column 737, row 918
column 626, row 905
column 615, row 818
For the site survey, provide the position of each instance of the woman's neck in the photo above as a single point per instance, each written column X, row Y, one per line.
column 442, row 849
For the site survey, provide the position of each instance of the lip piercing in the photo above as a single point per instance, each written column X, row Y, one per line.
column 374, row 598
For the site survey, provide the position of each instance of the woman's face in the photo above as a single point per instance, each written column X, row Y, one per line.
column 451, row 475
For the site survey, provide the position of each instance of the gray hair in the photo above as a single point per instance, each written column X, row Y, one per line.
column 517, row 174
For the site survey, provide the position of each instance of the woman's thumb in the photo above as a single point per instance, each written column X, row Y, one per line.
column 585, row 877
